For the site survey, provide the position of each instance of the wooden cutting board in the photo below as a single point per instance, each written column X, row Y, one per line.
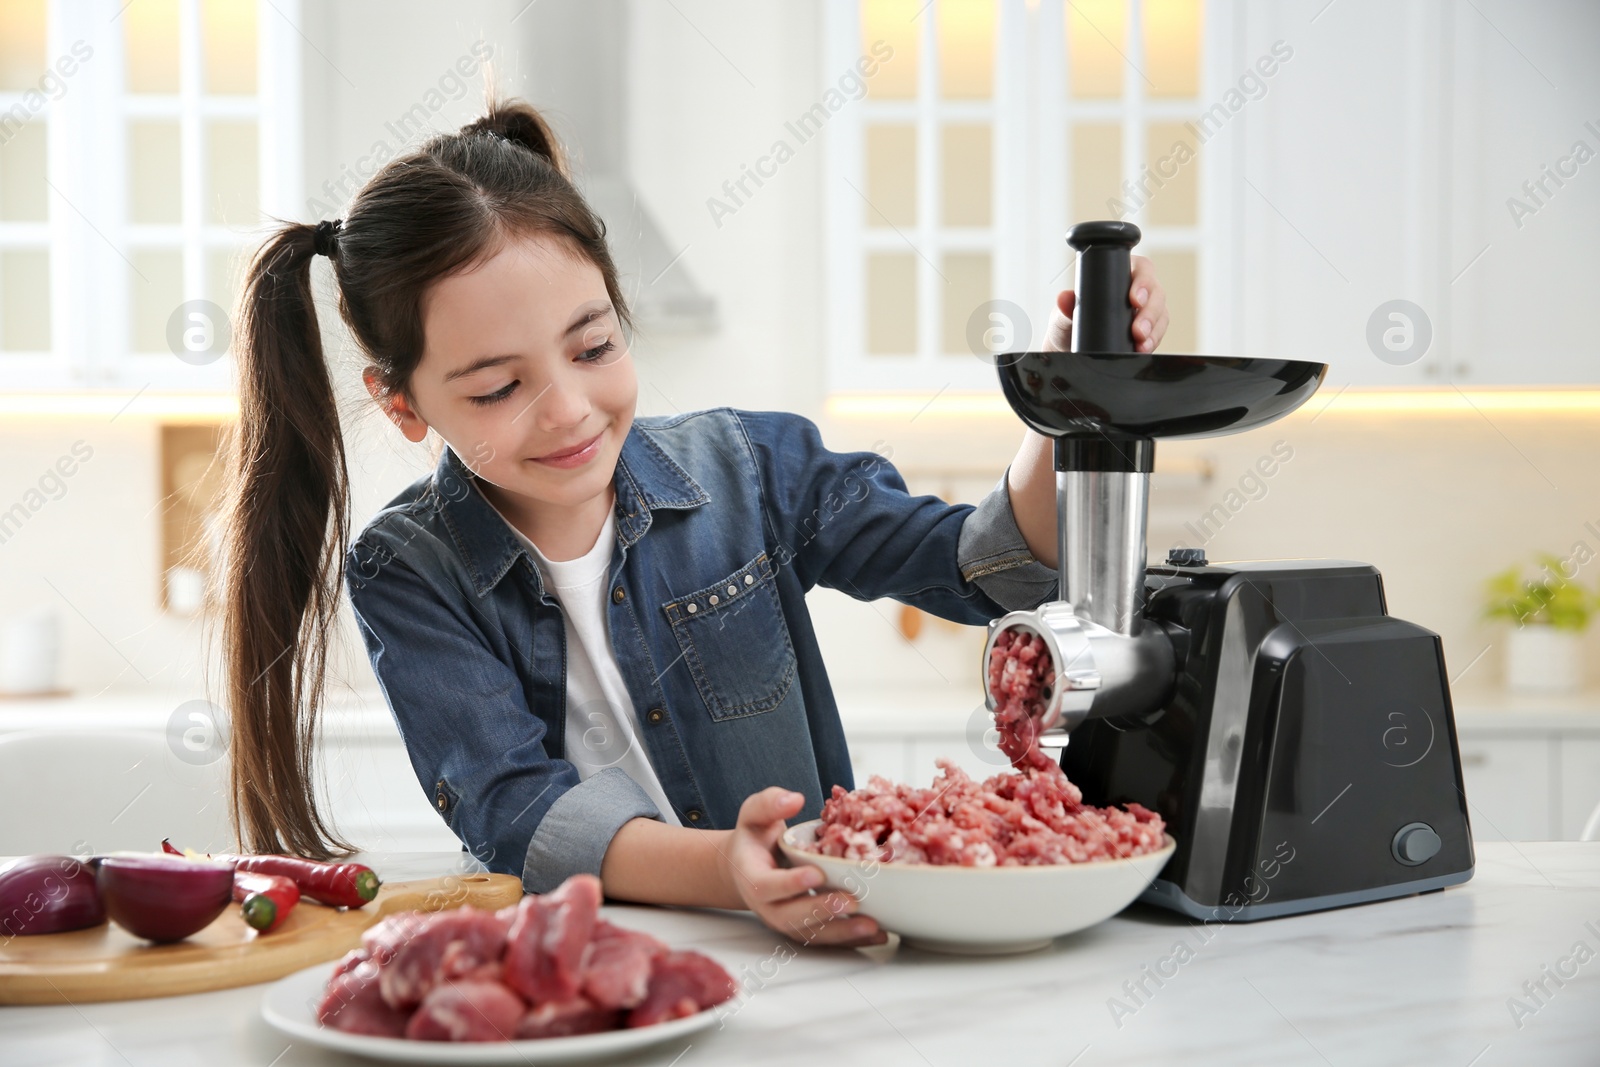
column 108, row 963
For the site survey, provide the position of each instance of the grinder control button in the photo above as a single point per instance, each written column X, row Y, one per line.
column 1186, row 557
column 1415, row 843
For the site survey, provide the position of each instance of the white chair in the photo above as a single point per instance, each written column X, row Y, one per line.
column 80, row 793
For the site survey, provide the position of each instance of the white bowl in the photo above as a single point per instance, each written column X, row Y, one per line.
column 982, row 910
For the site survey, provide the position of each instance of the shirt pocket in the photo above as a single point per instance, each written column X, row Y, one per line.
column 736, row 642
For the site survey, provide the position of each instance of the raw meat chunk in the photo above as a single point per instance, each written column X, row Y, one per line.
column 564, row 1018
column 682, row 983
column 461, row 963
column 466, row 1011
column 546, row 943
column 547, row 966
column 351, row 1002
column 616, row 968
column 350, row 960
column 471, row 935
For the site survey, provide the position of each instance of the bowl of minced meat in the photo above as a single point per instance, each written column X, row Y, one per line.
column 1005, row 864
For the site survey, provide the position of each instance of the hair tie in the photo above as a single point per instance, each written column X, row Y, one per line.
column 327, row 233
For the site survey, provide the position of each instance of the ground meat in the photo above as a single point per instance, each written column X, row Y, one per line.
column 1020, row 670
column 547, row 966
column 1030, row 815
column 1024, row 818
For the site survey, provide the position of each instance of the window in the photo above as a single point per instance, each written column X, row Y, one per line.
column 142, row 146
column 990, row 128
column 25, row 261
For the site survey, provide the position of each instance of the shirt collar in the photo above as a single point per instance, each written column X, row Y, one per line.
column 646, row 479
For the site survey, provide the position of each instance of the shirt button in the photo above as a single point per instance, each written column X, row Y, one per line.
column 749, row 579
column 694, row 814
column 617, row 595
column 714, row 599
column 732, row 589
column 656, row 715
column 442, row 801
column 693, row 607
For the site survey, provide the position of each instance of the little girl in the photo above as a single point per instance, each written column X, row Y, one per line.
column 591, row 628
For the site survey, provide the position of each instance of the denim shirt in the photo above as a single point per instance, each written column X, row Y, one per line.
column 724, row 519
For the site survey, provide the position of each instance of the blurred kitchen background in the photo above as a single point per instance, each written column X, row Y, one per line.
column 831, row 208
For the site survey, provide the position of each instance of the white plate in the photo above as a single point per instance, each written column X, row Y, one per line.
column 290, row 1005
column 982, row 910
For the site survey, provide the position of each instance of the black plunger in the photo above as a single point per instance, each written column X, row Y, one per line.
column 1102, row 320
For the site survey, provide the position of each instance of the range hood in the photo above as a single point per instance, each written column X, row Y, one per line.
column 576, row 62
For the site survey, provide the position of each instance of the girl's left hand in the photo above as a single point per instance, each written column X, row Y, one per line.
column 782, row 897
column 1149, row 301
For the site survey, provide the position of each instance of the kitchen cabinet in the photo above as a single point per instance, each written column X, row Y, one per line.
column 375, row 797
column 1413, row 152
column 365, row 781
column 1509, row 787
column 1579, row 784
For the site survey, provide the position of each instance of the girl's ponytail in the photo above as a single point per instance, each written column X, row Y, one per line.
column 286, row 521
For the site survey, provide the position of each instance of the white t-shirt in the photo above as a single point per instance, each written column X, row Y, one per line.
column 602, row 729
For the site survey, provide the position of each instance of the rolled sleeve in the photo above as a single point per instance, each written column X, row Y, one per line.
column 576, row 831
column 994, row 556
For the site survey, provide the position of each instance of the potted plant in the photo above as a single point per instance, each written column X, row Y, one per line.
column 1550, row 613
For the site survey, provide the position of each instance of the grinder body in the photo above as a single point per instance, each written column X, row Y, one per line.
column 1307, row 756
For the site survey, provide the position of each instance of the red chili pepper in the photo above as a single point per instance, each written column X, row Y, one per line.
column 342, row 885
column 265, row 900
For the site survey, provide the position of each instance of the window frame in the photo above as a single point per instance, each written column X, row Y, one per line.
column 1029, row 200
column 90, row 237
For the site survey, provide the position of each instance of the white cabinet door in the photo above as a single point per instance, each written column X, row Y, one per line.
column 1510, row 785
column 1336, row 188
column 1410, row 152
column 1580, row 783
column 1524, row 195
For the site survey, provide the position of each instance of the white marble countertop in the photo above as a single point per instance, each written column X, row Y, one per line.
column 1427, row 979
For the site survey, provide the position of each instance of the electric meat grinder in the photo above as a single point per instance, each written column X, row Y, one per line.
column 1298, row 740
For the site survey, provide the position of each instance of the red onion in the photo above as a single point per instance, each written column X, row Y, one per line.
column 48, row 895
column 164, row 898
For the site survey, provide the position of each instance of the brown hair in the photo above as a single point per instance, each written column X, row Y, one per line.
column 439, row 209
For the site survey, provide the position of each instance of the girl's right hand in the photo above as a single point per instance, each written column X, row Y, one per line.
column 781, row 896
